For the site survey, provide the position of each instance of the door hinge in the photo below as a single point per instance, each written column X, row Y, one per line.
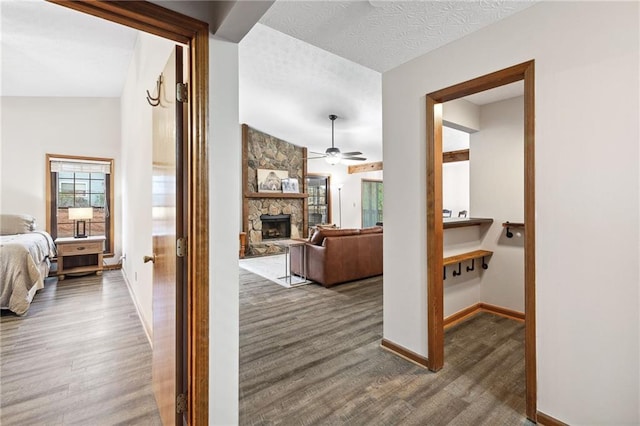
column 182, row 92
column 181, row 403
column 181, row 247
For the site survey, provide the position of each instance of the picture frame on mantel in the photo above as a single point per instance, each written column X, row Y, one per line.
column 290, row 185
column 271, row 180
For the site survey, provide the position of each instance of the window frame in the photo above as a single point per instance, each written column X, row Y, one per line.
column 327, row 178
column 362, row 190
column 51, row 203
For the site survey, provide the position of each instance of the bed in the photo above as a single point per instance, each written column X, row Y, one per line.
column 25, row 259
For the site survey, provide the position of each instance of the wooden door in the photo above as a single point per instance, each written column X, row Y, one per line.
column 168, row 227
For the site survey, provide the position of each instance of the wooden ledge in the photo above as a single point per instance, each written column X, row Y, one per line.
column 513, row 225
column 476, row 254
column 462, row 222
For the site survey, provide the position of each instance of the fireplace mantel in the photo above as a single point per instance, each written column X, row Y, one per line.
column 274, row 195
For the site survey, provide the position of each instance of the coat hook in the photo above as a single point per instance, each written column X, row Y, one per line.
column 444, row 272
column 155, row 101
column 484, row 265
column 509, row 233
column 459, row 271
column 473, row 266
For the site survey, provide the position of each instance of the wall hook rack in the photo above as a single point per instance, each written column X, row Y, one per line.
column 459, row 258
column 154, row 102
column 510, row 226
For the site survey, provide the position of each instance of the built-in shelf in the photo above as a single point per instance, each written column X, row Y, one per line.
column 274, row 195
column 460, row 222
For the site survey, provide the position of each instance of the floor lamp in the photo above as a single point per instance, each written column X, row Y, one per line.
column 340, row 206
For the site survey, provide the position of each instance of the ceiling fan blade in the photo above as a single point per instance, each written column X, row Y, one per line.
column 349, row 154
column 317, row 153
column 355, row 158
column 315, row 158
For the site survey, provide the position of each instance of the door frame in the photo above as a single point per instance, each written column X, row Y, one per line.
column 435, row 289
column 154, row 19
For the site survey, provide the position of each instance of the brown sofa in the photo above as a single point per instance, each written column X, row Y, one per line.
column 334, row 256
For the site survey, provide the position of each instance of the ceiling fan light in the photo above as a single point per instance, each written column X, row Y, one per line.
column 333, row 160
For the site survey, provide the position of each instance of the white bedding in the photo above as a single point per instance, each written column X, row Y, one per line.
column 24, row 264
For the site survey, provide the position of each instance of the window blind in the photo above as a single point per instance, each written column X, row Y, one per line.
column 80, row 166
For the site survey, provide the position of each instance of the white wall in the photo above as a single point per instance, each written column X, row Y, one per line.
column 225, row 145
column 33, row 127
column 148, row 61
column 587, row 161
column 351, row 193
column 497, row 191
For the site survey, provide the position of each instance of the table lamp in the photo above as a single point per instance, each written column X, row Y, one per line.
column 80, row 214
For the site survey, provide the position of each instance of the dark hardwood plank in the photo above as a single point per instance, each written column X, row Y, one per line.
column 79, row 356
column 311, row 355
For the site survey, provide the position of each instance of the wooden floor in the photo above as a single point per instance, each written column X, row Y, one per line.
column 311, row 355
column 79, row 356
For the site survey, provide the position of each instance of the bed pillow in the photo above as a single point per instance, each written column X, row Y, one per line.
column 11, row 224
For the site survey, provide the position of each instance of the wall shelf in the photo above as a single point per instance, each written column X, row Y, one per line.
column 274, row 195
column 513, row 225
column 462, row 222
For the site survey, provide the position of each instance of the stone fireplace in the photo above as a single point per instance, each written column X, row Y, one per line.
column 276, row 227
column 271, row 216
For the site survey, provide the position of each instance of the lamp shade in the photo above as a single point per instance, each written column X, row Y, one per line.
column 80, row 213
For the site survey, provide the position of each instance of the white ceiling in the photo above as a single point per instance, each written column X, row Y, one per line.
column 309, row 59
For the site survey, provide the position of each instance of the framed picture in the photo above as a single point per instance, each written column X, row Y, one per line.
column 271, row 180
column 290, row 185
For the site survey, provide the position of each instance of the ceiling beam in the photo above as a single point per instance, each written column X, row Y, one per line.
column 453, row 156
column 367, row 167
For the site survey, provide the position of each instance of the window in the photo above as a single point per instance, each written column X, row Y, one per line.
column 372, row 202
column 80, row 182
column 319, row 201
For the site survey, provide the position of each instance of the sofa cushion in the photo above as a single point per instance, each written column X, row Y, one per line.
column 371, row 230
column 316, row 238
column 323, row 233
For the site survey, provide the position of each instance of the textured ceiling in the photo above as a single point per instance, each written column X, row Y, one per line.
column 288, row 88
column 384, row 34
column 48, row 50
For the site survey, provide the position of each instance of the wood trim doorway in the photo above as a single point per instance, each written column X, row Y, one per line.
column 174, row 26
column 435, row 291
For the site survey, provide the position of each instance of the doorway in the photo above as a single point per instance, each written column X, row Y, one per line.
column 174, row 26
column 435, row 291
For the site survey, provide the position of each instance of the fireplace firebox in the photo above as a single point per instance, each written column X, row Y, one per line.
column 276, row 226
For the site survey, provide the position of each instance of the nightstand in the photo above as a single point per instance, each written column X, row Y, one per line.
column 79, row 255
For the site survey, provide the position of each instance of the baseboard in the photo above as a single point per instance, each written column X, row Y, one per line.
column 145, row 326
column 472, row 310
column 111, row 267
column 504, row 312
column 460, row 316
column 404, row 353
column 546, row 420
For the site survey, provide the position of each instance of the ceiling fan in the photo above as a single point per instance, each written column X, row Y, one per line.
column 333, row 155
